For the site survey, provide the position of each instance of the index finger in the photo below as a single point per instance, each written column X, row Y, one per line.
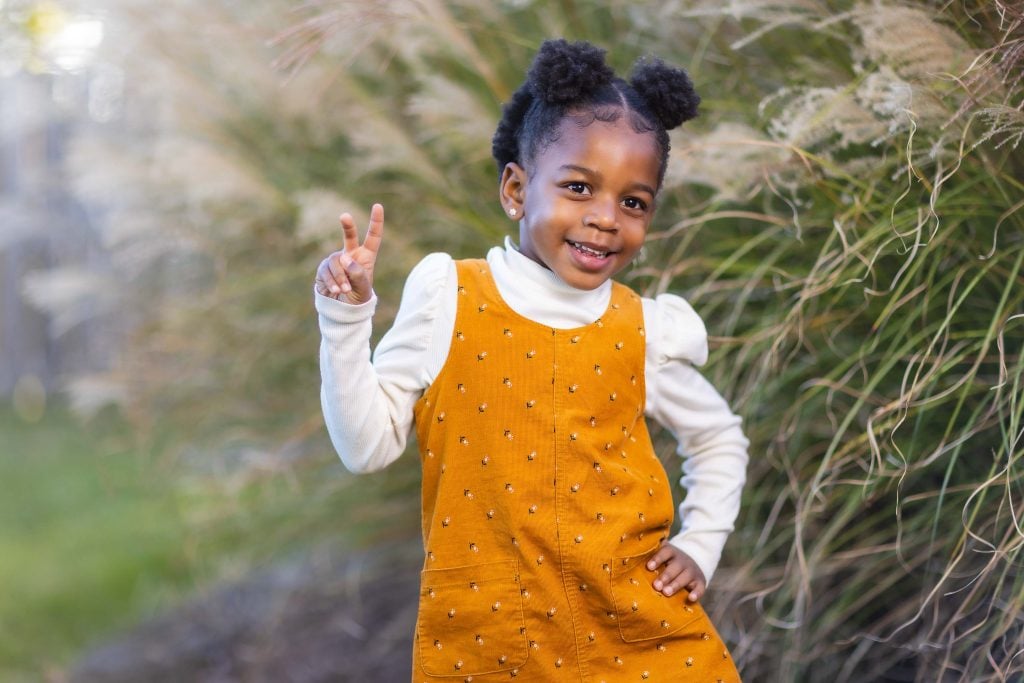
column 376, row 231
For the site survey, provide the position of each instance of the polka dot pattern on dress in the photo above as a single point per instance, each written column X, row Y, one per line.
column 542, row 497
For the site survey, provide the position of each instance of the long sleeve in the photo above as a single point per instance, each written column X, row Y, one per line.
column 711, row 442
column 368, row 404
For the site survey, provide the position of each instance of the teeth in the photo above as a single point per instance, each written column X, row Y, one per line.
column 587, row 250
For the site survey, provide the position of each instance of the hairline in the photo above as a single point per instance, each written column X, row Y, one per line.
column 585, row 115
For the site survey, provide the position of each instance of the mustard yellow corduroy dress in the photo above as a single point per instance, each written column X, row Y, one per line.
column 542, row 500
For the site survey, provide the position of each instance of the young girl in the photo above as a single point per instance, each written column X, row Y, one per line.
column 546, row 512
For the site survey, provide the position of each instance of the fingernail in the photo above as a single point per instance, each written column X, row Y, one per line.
column 669, row 591
column 657, row 585
column 335, row 289
column 346, row 287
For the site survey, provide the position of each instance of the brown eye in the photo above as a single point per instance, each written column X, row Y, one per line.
column 577, row 187
column 634, row 203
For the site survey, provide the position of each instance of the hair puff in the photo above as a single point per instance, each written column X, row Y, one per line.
column 563, row 72
column 668, row 91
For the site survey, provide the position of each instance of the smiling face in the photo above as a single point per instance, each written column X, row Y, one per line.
column 586, row 202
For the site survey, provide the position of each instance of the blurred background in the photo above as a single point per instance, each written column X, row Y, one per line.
column 845, row 214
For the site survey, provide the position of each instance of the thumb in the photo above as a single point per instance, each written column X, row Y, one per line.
column 358, row 278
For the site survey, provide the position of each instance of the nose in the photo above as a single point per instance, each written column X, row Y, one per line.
column 602, row 216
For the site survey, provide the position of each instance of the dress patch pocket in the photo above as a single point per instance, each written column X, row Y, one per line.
column 471, row 620
column 642, row 612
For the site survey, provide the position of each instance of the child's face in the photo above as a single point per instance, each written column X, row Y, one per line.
column 587, row 200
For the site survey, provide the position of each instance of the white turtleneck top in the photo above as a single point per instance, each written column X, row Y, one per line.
column 368, row 403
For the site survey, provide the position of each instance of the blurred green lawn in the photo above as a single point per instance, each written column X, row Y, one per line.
column 91, row 537
column 95, row 535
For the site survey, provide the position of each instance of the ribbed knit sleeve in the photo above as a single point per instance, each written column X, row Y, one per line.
column 711, row 442
column 368, row 405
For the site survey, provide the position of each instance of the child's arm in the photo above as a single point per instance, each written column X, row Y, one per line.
column 368, row 406
column 711, row 442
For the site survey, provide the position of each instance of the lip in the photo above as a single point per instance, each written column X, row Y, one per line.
column 590, row 262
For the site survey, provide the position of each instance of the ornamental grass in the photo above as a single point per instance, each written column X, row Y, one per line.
column 845, row 215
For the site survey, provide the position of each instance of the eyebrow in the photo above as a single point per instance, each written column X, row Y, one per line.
column 597, row 174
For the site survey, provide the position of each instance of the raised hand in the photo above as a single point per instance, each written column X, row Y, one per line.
column 680, row 572
column 347, row 275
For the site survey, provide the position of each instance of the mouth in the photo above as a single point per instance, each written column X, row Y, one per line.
column 587, row 250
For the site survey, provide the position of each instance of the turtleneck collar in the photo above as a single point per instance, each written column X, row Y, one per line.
column 535, row 292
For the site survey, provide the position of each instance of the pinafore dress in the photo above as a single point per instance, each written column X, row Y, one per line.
column 542, row 500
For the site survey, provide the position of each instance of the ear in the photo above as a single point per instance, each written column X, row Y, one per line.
column 512, row 190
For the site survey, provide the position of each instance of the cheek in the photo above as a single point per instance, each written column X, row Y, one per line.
column 636, row 238
column 549, row 214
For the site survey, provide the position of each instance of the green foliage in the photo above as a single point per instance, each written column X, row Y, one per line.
column 845, row 215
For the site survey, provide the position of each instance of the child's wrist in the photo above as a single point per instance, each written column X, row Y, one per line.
column 342, row 310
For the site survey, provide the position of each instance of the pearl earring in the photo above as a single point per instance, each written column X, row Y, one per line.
column 512, row 212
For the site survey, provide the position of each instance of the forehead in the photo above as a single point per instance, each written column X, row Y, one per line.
column 607, row 147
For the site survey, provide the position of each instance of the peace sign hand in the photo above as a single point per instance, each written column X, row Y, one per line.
column 347, row 275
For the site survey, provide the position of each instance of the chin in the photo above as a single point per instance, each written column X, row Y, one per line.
column 585, row 282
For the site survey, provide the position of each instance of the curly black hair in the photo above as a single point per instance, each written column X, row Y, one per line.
column 573, row 79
